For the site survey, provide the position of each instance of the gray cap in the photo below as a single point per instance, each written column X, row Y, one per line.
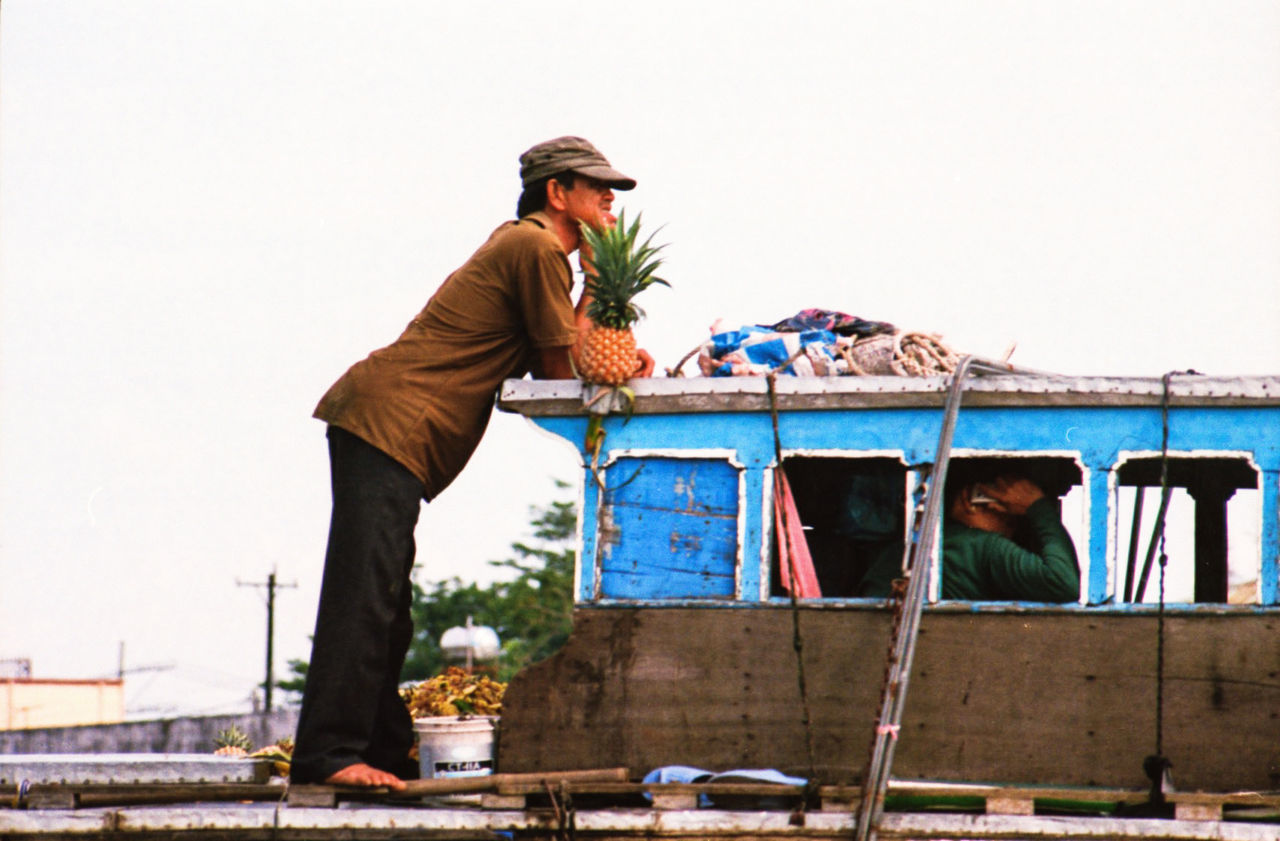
column 565, row 154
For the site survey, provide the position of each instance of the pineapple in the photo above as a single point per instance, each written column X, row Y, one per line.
column 617, row 271
column 232, row 742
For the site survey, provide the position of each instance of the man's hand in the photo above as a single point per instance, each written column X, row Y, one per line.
column 1013, row 494
column 607, row 220
column 645, row 369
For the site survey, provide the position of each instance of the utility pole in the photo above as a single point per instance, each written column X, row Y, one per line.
column 271, row 586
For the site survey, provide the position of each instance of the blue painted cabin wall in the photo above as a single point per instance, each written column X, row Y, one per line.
column 736, row 449
column 692, row 507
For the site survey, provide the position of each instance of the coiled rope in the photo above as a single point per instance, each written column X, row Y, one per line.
column 905, row 353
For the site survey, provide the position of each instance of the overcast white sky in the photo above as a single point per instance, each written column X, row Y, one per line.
column 208, row 210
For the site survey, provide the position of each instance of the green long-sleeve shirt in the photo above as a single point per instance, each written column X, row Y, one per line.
column 980, row 565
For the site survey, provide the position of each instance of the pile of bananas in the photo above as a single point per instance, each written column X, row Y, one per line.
column 454, row 693
column 280, row 754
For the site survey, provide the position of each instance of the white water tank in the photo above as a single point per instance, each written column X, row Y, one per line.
column 470, row 642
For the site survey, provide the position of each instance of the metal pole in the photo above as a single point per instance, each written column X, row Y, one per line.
column 895, row 689
column 471, row 643
column 1135, row 537
column 271, row 634
column 1156, row 531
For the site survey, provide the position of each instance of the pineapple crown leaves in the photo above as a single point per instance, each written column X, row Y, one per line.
column 232, row 737
column 619, row 271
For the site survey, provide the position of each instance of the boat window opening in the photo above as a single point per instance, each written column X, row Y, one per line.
column 852, row 510
column 1060, row 477
column 1211, row 531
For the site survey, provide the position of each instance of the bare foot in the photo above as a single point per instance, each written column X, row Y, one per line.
column 365, row 776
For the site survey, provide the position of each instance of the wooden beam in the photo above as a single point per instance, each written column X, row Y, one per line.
column 328, row 796
column 1011, row 806
column 1197, row 811
column 493, row 782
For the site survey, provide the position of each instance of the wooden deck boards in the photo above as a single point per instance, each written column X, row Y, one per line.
column 618, row 810
column 903, row 795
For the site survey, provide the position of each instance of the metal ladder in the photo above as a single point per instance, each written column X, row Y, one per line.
column 894, row 695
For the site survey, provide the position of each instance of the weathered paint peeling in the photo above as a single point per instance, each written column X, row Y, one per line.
column 685, row 542
column 686, row 487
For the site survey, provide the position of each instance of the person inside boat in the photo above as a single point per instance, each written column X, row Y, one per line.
column 1003, row 541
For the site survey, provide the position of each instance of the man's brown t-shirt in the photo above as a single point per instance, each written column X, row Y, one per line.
column 425, row 400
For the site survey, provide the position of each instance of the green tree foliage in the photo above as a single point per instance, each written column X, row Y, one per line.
column 297, row 678
column 531, row 610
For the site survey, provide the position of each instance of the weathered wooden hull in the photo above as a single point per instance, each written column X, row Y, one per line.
column 1040, row 696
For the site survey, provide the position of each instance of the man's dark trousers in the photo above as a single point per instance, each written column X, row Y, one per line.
column 351, row 709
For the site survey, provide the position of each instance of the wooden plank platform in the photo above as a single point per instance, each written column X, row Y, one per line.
column 611, row 792
column 277, row 822
column 903, row 796
column 995, row 799
column 131, row 769
column 329, row 796
column 77, row 796
column 1210, row 806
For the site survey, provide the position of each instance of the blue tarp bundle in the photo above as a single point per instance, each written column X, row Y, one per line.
column 823, row 343
column 758, row 349
column 687, row 774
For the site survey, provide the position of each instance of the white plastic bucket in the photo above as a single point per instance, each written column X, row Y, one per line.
column 450, row 746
